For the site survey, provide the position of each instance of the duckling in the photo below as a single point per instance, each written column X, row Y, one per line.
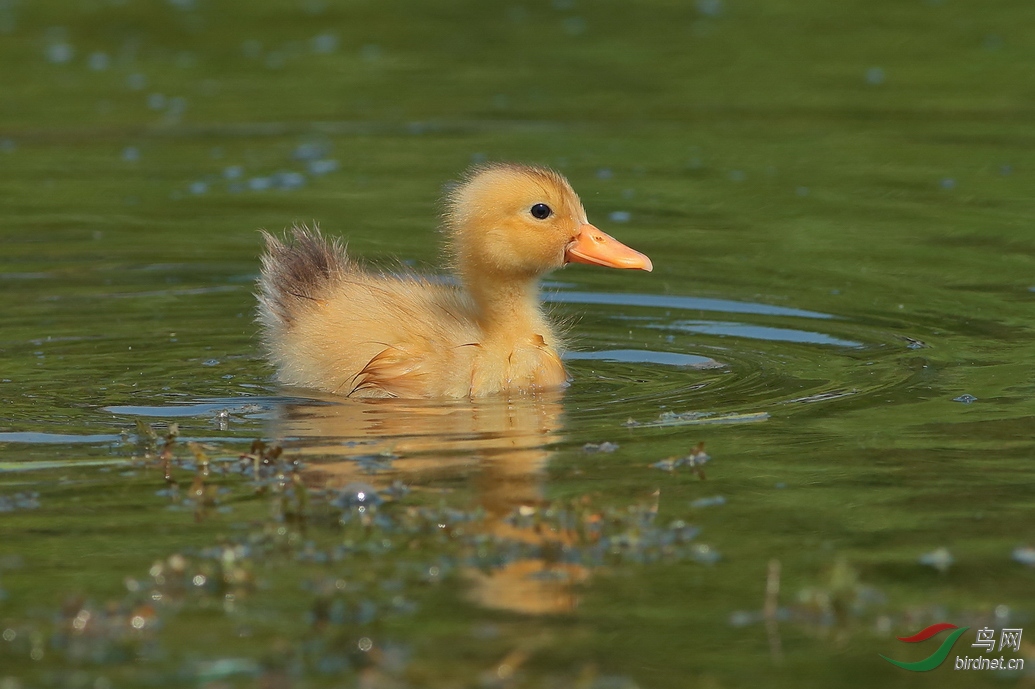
column 330, row 324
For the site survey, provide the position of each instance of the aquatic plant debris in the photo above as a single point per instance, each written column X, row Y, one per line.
column 940, row 558
column 690, row 418
column 1025, row 555
column 913, row 343
column 374, row 464
column 695, row 461
column 839, row 599
column 384, row 545
column 591, row 448
column 20, row 501
column 352, row 528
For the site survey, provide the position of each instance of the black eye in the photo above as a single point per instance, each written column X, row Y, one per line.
column 541, row 211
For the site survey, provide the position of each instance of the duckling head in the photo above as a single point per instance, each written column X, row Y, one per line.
column 518, row 222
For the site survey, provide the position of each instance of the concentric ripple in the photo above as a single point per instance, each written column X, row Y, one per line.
column 638, row 359
column 762, row 359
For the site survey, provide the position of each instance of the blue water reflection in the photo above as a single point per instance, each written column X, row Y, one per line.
column 644, row 356
column 756, row 332
column 667, row 301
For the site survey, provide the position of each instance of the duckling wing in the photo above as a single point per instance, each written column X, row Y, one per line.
column 393, row 372
column 331, row 325
column 413, row 338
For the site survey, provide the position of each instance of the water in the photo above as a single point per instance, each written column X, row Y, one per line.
column 838, row 208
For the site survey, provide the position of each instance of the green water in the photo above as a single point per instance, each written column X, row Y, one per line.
column 837, row 200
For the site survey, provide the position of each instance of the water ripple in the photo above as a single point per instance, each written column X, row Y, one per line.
column 756, row 332
column 644, row 356
column 668, row 301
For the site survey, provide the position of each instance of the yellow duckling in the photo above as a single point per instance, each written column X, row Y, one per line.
column 330, row 324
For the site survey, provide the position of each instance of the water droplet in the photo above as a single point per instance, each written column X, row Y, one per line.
column 517, row 14
column 60, row 53
column 289, row 180
column 941, row 559
column 98, row 61
column 600, row 447
column 8, row 23
column 322, row 167
column 324, row 43
column 574, row 26
column 742, row 618
column 705, row 554
column 177, row 106
column 709, row 8
column 252, row 49
column 875, row 76
column 310, row 150
column 186, row 60
column 275, row 60
column 370, row 52
column 1023, row 554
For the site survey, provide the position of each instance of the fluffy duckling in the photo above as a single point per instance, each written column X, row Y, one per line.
column 332, row 325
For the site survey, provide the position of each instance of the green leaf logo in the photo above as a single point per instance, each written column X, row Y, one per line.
column 938, row 657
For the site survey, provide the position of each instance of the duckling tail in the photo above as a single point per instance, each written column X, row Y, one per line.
column 297, row 274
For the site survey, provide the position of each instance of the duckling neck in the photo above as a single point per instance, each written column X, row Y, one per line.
column 508, row 310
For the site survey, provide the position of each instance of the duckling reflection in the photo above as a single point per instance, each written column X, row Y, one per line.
column 500, row 445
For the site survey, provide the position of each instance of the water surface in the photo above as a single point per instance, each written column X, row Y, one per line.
column 837, row 203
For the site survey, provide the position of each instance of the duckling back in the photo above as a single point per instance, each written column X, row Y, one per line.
column 332, row 325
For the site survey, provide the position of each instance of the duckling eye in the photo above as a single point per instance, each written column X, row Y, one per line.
column 540, row 211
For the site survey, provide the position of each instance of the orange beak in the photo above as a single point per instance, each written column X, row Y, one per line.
column 593, row 246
